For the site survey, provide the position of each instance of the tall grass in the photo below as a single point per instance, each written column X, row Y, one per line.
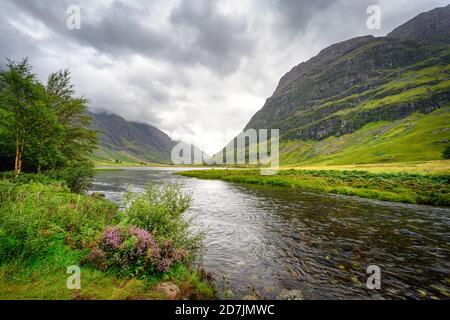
column 44, row 228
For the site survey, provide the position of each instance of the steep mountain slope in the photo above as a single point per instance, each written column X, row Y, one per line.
column 130, row 141
column 362, row 83
column 432, row 26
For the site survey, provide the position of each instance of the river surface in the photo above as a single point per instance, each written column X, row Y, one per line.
column 271, row 238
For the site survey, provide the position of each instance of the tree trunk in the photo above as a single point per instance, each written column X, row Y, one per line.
column 18, row 162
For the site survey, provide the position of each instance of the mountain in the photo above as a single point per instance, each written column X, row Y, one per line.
column 121, row 140
column 368, row 99
column 432, row 26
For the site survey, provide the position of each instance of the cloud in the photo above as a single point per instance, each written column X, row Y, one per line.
column 196, row 69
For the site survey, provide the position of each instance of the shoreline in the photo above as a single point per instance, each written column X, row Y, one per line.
column 411, row 188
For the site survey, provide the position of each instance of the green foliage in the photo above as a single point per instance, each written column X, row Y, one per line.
column 77, row 174
column 78, row 141
column 23, row 110
column 446, row 153
column 44, row 128
column 44, row 228
column 160, row 210
column 33, row 216
column 45, row 279
column 134, row 252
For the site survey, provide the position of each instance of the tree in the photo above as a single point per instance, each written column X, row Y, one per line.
column 44, row 128
column 78, row 140
column 21, row 103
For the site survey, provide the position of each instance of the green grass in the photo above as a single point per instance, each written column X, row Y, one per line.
column 397, row 187
column 45, row 279
column 104, row 155
column 419, row 137
column 44, row 228
column 398, row 86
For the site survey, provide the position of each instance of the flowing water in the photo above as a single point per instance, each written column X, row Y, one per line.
column 270, row 239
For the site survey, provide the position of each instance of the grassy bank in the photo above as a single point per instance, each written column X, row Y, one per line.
column 419, row 167
column 45, row 228
column 430, row 189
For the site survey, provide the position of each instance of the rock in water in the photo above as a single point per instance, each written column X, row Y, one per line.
column 98, row 195
column 169, row 289
column 291, row 295
column 228, row 294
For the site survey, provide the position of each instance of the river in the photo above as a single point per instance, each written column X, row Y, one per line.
column 272, row 238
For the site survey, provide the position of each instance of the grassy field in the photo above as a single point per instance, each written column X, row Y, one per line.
column 44, row 228
column 430, row 189
column 421, row 167
column 418, row 137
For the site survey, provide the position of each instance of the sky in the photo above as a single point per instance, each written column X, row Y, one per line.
column 198, row 69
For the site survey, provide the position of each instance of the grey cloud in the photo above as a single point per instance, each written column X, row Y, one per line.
column 220, row 41
column 202, row 69
column 12, row 44
column 296, row 14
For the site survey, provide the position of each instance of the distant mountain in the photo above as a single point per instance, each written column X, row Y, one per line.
column 368, row 99
column 122, row 140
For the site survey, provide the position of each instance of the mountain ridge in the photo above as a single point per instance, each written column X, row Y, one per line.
column 128, row 141
column 363, row 81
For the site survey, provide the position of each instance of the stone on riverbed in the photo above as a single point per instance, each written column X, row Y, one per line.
column 169, row 289
column 291, row 295
column 98, row 195
column 228, row 294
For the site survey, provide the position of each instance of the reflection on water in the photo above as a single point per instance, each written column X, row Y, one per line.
column 279, row 238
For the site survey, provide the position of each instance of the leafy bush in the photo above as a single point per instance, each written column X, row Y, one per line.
column 42, row 220
column 159, row 210
column 78, row 175
column 446, row 153
column 152, row 237
column 25, row 178
column 134, row 252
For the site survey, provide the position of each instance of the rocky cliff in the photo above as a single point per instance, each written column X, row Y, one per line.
column 364, row 80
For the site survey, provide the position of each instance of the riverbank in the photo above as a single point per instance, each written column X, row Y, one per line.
column 413, row 188
column 45, row 228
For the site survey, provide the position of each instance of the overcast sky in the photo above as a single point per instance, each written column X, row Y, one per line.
column 198, row 70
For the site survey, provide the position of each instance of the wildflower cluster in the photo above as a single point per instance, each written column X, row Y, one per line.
column 134, row 251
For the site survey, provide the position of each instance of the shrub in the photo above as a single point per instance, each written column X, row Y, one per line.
column 446, row 153
column 134, row 252
column 159, row 210
column 25, row 178
column 78, row 175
